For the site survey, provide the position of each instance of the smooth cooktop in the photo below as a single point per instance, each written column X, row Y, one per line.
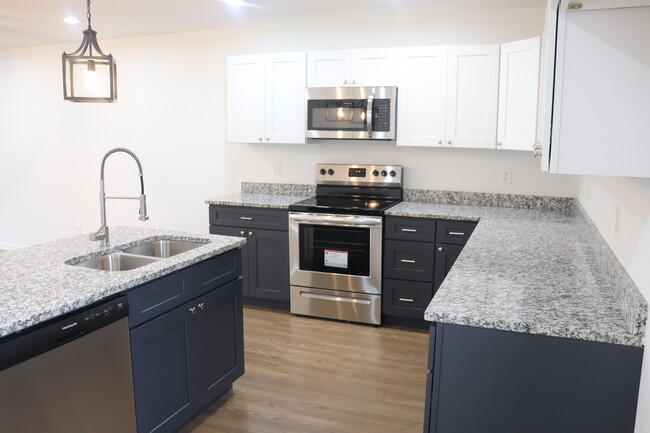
column 353, row 205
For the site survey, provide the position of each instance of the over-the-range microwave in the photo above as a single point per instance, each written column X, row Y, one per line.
column 357, row 113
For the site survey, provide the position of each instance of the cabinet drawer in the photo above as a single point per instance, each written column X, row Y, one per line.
column 158, row 297
column 406, row 298
column 408, row 260
column 274, row 219
column 413, row 229
column 454, row 232
column 216, row 271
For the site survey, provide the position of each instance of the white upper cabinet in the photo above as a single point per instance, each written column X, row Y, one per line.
column 518, row 95
column 601, row 99
column 246, row 96
column 266, row 98
column 285, row 98
column 422, row 96
column 339, row 68
column 472, row 95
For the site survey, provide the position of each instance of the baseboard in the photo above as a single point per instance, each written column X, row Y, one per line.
column 9, row 246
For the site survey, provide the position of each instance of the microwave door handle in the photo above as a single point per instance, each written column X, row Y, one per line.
column 371, row 99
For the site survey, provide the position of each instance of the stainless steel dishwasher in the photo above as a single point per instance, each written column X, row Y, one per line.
column 71, row 374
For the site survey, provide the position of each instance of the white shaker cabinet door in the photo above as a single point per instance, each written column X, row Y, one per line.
column 328, row 68
column 422, row 96
column 472, row 97
column 285, row 98
column 518, row 91
column 373, row 67
column 245, row 99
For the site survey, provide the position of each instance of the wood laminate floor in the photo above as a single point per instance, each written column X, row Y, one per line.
column 311, row 375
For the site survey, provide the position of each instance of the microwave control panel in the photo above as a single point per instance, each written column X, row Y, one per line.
column 381, row 115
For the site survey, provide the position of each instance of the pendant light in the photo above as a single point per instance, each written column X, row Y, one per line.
column 89, row 75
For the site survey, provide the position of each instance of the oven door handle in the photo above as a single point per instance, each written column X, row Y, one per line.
column 338, row 298
column 334, row 221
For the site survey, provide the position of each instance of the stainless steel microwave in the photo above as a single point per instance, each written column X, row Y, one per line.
column 357, row 113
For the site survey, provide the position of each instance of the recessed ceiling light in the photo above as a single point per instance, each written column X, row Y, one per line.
column 71, row 20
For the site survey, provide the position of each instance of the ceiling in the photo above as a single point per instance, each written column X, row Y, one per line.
column 40, row 22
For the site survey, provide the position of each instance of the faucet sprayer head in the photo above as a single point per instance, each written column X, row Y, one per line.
column 143, row 208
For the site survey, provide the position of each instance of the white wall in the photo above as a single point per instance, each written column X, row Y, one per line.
column 602, row 197
column 171, row 113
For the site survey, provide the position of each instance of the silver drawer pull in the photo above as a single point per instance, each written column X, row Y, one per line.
column 410, row 230
column 456, row 234
column 246, row 218
column 407, row 261
column 406, row 300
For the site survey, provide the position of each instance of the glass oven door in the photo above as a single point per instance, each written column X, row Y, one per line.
column 339, row 252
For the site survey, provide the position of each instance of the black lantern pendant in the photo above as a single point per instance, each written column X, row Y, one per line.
column 89, row 75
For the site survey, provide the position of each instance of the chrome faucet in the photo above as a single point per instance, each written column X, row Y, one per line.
column 102, row 233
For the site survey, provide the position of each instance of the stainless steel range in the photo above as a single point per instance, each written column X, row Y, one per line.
column 335, row 247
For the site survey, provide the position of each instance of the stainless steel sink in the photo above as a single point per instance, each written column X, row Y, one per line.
column 163, row 248
column 116, row 262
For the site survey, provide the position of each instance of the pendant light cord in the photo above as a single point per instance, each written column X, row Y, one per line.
column 88, row 12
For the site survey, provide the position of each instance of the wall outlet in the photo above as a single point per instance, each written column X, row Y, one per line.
column 276, row 168
column 617, row 222
column 78, row 228
column 506, row 176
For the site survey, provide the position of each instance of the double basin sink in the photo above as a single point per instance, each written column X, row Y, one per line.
column 139, row 255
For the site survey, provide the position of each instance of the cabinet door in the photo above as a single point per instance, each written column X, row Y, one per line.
column 422, row 96
column 268, row 258
column 472, row 97
column 446, row 255
column 286, row 77
column 239, row 232
column 328, row 68
column 518, row 88
column 601, row 102
column 373, row 67
column 219, row 352
column 162, row 379
column 245, row 99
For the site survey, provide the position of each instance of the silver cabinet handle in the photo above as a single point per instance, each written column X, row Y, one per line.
column 456, row 234
column 406, row 300
column 246, row 218
column 354, row 81
column 345, row 81
column 439, row 249
column 449, row 142
column 439, row 141
column 250, row 233
column 371, row 98
column 260, row 138
column 268, row 139
column 202, row 306
column 410, row 230
column 242, row 233
column 407, row 261
column 193, row 310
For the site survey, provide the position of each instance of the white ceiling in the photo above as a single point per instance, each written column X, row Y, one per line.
column 40, row 22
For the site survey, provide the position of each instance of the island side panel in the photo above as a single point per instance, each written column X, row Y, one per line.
column 486, row 380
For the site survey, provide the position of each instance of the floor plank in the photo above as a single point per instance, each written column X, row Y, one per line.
column 311, row 375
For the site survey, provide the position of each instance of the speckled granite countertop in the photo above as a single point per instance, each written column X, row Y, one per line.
column 36, row 284
column 274, row 201
column 535, row 271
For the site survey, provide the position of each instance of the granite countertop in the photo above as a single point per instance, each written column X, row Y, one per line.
column 535, row 271
column 262, row 200
column 36, row 284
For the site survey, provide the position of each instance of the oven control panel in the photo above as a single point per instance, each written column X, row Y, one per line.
column 359, row 174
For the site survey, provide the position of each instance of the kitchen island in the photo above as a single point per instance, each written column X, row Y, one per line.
column 185, row 319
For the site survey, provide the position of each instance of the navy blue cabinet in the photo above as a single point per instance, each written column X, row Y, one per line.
column 266, row 255
column 186, row 355
column 492, row 381
column 418, row 255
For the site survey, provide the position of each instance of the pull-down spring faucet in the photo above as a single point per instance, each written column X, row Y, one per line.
column 102, row 233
